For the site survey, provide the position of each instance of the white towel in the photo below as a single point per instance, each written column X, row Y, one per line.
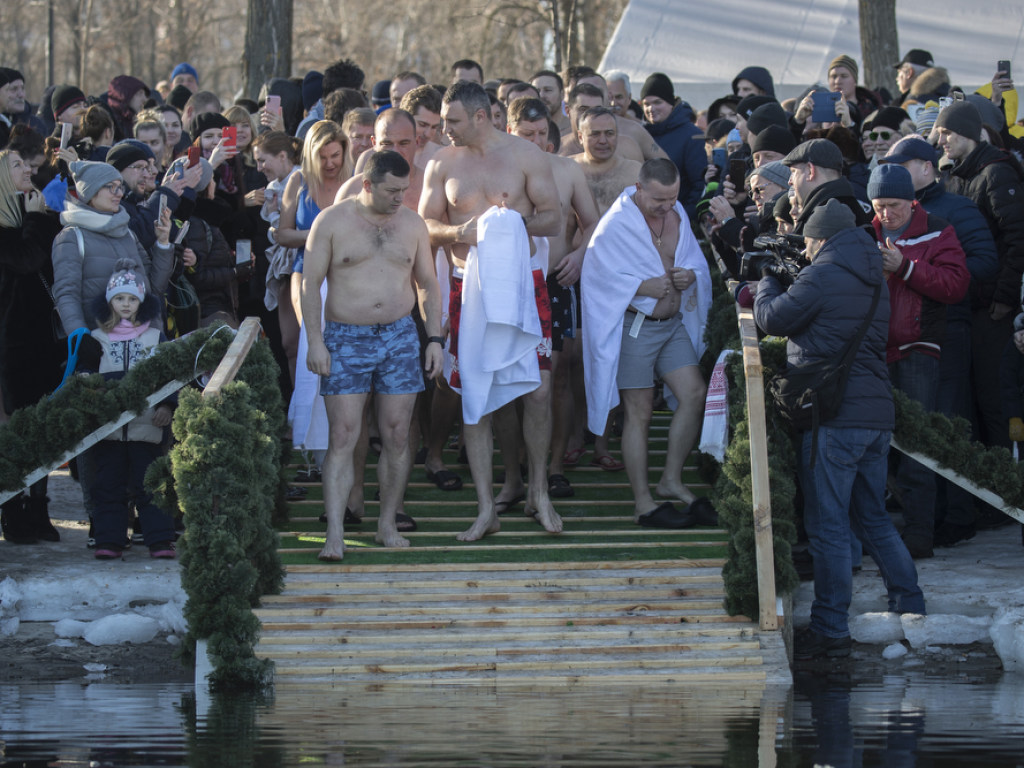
column 620, row 256
column 306, row 411
column 714, row 435
column 499, row 329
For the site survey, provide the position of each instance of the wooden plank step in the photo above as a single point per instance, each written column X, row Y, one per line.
column 357, row 582
column 490, row 622
column 683, row 567
column 746, row 677
column 495, row 547
column 401, row 596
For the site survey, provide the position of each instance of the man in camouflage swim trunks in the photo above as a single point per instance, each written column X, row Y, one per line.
column 370, row 248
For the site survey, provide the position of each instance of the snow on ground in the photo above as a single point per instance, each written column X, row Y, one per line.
column 974, row 593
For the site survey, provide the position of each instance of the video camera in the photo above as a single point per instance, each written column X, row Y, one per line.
column 781, row 256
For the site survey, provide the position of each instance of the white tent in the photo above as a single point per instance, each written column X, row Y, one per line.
column 703, row 45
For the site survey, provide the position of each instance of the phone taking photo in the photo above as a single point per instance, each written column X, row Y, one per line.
column 194, row 153
column 720, row 159
column 825, row 106
column 65, row 135
column 243, row 251
column 230, row 136
column 163, row 207
column 273, row 105
column 1004, row 67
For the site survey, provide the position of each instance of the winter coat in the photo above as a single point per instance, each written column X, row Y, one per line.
column 759, row 76
column 117, row 358
column 930, row 85
column 681, row 141
column 107, row 239
column 975, row 238
column 213, row 276
column 822, row 311
column 29, row 352
column 994, row 180
column 932, row 275
column 142, row 213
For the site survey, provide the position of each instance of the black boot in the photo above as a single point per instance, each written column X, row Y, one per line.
column 38, row 514
column 14, row 521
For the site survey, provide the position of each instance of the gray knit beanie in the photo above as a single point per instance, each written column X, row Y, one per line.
column 775, row 172
column 828, row 219
column 961, row 117
column 91, row 177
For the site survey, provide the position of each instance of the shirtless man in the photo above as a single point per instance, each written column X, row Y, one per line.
column 607, row 173
column 402, row 83
column 629, row 128
column 358, row 127
column 483, row 168
column 552, row 93
column 370, row 249
column 528, row 119
column 393, row 130
column 582, row 98
column 424, row 104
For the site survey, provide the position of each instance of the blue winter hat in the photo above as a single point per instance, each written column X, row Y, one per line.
column 184, row 69
column 890, row 181
column 911, row 148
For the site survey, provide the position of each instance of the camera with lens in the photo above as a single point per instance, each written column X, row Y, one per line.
column 778, row 255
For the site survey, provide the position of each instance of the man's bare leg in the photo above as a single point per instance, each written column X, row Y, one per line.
column 688, row 386
column 344, row 416
column 506, row 431
column 636, row 405
column 394, row 414
column 479, row 449
column 357, row 496
column 444, row 409
column 537, row 433
column 561, row 410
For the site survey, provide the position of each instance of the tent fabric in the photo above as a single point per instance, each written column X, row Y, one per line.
column 702, row 46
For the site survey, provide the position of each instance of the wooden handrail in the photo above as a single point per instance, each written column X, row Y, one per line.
column 764, row 551
column 246, row 336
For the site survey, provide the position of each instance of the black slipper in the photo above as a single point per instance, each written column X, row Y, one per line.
column 404, row 523
column 350, row 518
column 703, row 512
column 421, row 455
column 667, row 516
column 503, row 507
column 445, row 479
column 559, row 487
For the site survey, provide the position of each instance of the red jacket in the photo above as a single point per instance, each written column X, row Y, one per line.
column 932, row 275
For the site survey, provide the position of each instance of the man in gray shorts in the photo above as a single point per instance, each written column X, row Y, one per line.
column 370, row 249
column 646, row 293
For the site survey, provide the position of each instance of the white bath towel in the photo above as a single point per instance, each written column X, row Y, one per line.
column 307, row 413
column 620, row 256
column 499, row 328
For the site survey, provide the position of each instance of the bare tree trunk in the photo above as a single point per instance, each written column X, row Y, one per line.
column 268, row 43
column 83, row 61
column 879, row 43
column 556, row 35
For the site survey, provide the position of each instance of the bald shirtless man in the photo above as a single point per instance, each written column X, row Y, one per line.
column 582, row 98
column 370, row 249
column 528, row 119
column 393, row 130
column 629, row 128
column 484, row 168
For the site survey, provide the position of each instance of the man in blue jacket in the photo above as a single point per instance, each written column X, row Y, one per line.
column 670, row 122
column 843, row 467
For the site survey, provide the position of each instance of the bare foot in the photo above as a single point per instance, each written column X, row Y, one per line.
column 390, row 537
column 332, row 552
column 545, row 514
column 678, row 491
column 483, row 525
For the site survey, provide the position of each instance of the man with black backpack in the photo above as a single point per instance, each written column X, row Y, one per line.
column 842, row 296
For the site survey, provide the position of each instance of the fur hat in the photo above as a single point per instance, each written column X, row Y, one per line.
column 125, row 280
column 829, row 219
column 91, row 177
column 890, row 181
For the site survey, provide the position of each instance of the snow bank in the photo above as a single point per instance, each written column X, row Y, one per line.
column 121, row 628
column 1007, row 632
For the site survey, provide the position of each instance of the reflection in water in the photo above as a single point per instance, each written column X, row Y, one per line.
column 893, row 721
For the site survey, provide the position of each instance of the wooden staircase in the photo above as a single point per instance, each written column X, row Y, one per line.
column 619, row 619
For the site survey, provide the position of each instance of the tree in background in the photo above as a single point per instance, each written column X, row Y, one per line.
column 879, row 43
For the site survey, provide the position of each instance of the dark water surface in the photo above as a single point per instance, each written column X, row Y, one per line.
column 898, row 720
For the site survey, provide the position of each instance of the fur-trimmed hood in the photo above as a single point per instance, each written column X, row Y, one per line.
column 932, row 82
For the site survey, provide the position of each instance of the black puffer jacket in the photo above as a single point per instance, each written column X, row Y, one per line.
column 842, row 190
column 994, row 179
column 823, row 309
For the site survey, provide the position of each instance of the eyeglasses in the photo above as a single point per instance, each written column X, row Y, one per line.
column 876, row 135
column 757, row 191
column 114, row 188
column 139, row 166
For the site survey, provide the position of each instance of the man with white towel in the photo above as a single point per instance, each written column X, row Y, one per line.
column 490, row 182
column 646, row 291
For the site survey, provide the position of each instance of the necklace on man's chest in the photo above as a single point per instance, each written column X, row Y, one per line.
column 657, row 235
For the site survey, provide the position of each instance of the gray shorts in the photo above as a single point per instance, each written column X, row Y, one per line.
column 661, row 347
column 384, row 357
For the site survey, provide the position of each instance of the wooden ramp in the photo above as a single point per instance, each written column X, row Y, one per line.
column 606, row 602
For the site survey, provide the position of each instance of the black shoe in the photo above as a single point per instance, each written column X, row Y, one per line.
column 37, row 513
column 989, row 517
column 559, row 487
column 918, row 548
column 951, row 534
column 14, row 522
column 808, row 644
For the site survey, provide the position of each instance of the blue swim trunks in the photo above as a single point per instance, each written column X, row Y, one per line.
column 384, row 357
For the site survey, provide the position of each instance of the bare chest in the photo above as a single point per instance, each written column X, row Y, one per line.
column 475, row 185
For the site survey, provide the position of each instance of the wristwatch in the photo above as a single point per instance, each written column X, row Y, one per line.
column 435, row 339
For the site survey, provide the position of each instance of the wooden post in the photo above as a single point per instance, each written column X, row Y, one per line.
column 763, row 545
column 234, row 357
